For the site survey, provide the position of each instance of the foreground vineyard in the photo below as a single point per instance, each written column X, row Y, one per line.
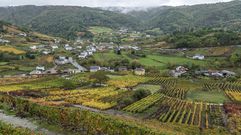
column 79, row 121
column 163, row 102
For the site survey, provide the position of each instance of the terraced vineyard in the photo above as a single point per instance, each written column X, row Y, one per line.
column 169, row 104
column 144, row 103
column 164, row 82
column 175, row 92
column 88, row 97
column 234, row 95
column 33, row 85
column 222, row 85
column 126, row 81
column 232, row 89
column 174, row 110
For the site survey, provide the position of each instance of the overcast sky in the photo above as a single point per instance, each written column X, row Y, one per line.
column 108, row 3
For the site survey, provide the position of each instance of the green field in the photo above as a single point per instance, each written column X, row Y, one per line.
column 3, row 63
column 104, row 57
column 151, row 88
column 207, row 96
column 162, row 61
column 99, row 30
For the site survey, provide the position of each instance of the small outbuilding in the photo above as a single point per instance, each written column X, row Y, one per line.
column 198, row 57
column 139, row 71
column 95, row 68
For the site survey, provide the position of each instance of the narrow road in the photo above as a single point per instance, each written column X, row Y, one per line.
column 79, row 67
column 24, row 123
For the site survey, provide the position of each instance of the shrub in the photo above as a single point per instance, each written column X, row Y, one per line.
column 141, row 93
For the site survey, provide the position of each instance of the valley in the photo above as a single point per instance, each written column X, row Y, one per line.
column 95, row 71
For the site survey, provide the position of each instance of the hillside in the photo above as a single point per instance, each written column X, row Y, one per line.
column 169, row 19
column 15, row 49
column 46, row 19
column 19, row 35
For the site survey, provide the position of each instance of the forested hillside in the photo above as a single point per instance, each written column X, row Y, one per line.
column 65, row 21
column 204, row 38
column 183, row 18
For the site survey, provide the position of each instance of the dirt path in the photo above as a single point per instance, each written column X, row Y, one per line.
column 25, row 123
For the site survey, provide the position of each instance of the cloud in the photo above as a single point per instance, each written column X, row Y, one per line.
column 107, row 3
column 193, row 2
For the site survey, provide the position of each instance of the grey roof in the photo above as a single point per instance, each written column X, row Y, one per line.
column 94, row 67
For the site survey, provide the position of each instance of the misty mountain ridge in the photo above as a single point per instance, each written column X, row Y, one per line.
column 65, row 21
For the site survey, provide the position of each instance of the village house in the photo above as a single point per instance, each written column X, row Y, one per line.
column 4, row 41
column 123, row 31
column 139, row 71
column 135, row 48
column 95, row 68
column 71, row 71
column 83, row 55
column 135, row 36
column 62, row 60
column 198, row 57
column 46, row 52
column 227, row 73
column 148, row 36
column 217, row 74
column 180, row 70
column 40, row 68
column 67, row 47
column 33, row 47
column 35, row 72
column 79, row 47
column 57, row 41
column 54, row 47
column 214, row 73
column 91, row 49
column 108, row 69
column 51, row 71
column 22, row 34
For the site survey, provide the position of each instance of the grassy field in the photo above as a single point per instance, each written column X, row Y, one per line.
column 212, row 51
column 162, row 61
column 3, row 63
column 207, row 96
column 151, row 88
column 42, row 36
column 11, row 50
column 105, row 57
column 99, row 30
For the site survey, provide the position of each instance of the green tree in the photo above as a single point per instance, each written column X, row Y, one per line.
column 1, row 28
column 141, row 93
column 99, row 77
column 68, row 84
column 235, row 58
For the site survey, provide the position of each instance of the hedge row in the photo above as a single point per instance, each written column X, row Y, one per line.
column 76, row 120
column 6, row 129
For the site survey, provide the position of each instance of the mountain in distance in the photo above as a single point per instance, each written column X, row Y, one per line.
column 65, row 21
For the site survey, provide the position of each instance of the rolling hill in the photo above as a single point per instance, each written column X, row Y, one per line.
column 65, row 21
